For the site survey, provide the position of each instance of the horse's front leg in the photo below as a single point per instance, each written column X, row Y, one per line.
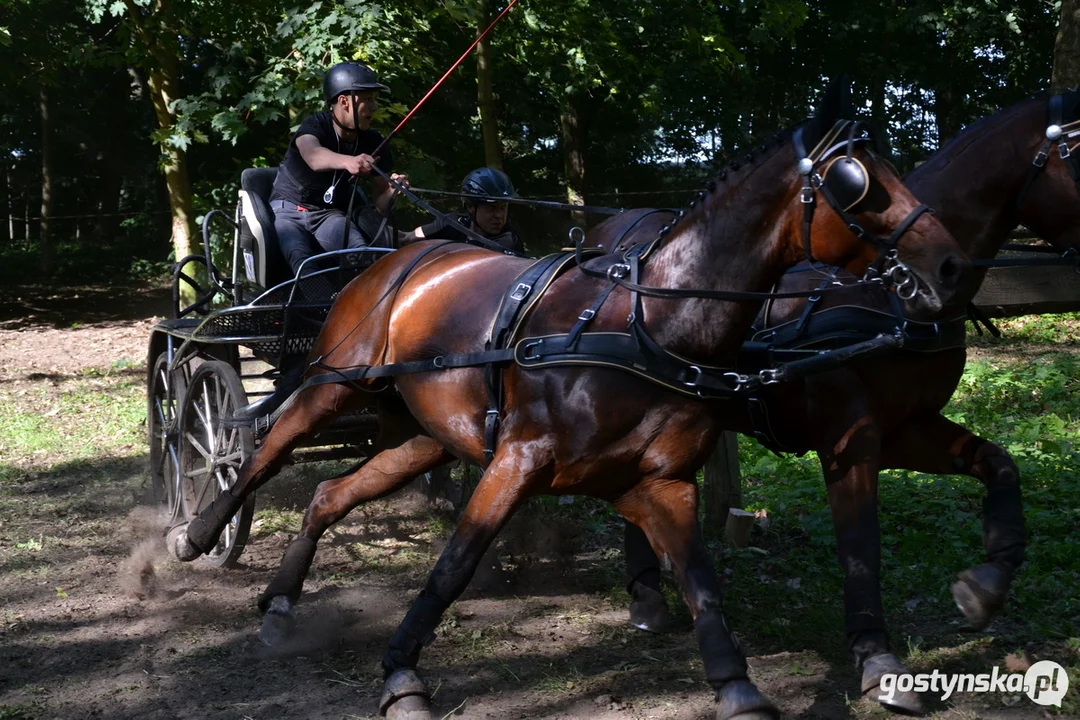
column 850, row 465
column 387, row 471
column 311, row 409
column 934, row 444
column 504, row 486
column 667, row 512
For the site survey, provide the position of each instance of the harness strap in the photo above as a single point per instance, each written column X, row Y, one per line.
column 623, row 351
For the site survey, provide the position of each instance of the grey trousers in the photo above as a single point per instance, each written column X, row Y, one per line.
column 304, row 234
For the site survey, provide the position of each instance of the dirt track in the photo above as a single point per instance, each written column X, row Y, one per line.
column 96, row 621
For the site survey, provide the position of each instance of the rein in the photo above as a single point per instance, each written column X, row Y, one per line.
column 599, row 210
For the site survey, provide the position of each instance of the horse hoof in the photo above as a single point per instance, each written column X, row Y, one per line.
column 980, row 593
column 278, row 623
column 740, row 700
column 649, row 610
column 178, row 543
column 405, row 698
column 874, row 669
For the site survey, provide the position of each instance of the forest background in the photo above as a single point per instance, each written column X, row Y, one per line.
column 123, row 121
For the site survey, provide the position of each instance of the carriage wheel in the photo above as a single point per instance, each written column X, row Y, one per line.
column 210, row 455
column 164, row 392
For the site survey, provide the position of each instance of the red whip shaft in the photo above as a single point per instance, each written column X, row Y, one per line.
column 443, row 78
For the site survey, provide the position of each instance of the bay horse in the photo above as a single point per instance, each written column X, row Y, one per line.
column 633, row 437
column 1002, row 171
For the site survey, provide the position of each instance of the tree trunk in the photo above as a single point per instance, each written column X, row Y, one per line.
column 574, row 137
column 162, row 82
column 1066, row 73
column 8, row 226
column 45, row 245
column 722, row 484
column 945, row 114
column 485, row 96
column 879, row 119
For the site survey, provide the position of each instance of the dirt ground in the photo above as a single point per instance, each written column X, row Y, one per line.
column 97, row 621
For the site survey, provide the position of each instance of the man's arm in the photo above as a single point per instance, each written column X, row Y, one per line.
column 320, row 158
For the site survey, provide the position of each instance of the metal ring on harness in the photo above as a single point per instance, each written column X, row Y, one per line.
column 576, row 235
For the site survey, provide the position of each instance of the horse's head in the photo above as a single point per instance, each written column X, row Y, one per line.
column 1048, row 203
column 855, row 211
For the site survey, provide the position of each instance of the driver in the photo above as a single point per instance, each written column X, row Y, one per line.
column 311, row 192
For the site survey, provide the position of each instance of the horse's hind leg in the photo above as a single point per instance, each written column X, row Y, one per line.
column 934, row 444
column 648, row 608
column 667, row 511
column 385, row 472
column 502, row 489
column 311, row 409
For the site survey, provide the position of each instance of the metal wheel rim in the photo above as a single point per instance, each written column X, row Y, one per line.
column 163, row 416
column 218, row 453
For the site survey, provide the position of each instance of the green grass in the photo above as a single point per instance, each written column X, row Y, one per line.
column 931, row 526
column 91, row 414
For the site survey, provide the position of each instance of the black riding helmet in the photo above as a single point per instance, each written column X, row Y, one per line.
column 349, row 77
column 486, row 185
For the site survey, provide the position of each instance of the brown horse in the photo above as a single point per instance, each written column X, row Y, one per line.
column 886, row 413
column 614, row 434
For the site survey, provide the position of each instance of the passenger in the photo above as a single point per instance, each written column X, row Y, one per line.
column 311, row 192
column 484, row 213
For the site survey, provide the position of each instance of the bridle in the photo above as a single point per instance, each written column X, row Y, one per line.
column 844, row 183
column 1057, row 132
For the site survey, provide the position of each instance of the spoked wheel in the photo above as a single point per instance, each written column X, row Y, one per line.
column 164, row 392
column 210, row 455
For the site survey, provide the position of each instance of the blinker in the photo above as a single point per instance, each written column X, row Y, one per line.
column 847, row 180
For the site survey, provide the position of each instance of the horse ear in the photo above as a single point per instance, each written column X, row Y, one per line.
column 835, row 105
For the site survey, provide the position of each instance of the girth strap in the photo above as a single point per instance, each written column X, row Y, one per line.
column 526, row 290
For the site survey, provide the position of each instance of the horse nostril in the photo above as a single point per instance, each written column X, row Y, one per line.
column 951, row 271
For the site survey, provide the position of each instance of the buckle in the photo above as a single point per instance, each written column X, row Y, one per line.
column 1040, row 159
column 1063, row 150
column 528, row 346
column 697, row 376
column 439, row 362
column 618, row 271
column 858, row 231
column 807, row 195
column 741, row 381
column 521, row 292
column 587, row 314
column 770, row 376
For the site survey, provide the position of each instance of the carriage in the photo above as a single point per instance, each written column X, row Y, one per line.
column 221, row 352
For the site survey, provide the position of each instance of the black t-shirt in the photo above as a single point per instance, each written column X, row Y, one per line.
column 297, row 183
column 442, row 230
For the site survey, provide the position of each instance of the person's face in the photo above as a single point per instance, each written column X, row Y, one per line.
column 490, row 218
column 366, row 105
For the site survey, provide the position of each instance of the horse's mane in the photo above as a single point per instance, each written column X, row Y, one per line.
column 746, row 162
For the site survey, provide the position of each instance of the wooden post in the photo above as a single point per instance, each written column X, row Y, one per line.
column 739, row 525
column 722, row 487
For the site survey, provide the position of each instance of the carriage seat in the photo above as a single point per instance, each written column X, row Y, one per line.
column 264, row 265
column 263, row 262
